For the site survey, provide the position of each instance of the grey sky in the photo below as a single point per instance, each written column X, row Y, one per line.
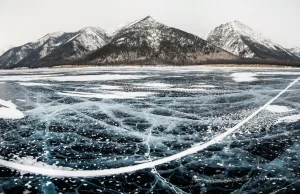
column 22, row 21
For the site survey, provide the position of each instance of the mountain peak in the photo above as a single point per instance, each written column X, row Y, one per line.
column 90, row 29
column 239, row 26
column 50, row 35
column 147, row 18
column 237, row 22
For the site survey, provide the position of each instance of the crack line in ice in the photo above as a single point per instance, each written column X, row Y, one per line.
column 127, row 169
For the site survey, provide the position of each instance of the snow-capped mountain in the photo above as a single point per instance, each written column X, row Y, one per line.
column 295, row 51
column 149, row 41
column 58, row 46
column 33, row 51
column 241, row 40
column 84, row 41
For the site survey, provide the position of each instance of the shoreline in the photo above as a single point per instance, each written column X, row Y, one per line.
column 237, row 66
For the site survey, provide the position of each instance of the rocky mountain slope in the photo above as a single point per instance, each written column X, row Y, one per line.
column 295, row 51
column 241, row 40
column 57, row 46
column 85, row 41
column 148, row 41
column 33, row 51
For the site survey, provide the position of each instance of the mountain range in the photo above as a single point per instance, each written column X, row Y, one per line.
column 147, row 41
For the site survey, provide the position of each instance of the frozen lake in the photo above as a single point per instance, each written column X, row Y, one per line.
column 72, row 121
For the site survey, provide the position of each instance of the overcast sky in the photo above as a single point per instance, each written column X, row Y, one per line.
column 22, row 21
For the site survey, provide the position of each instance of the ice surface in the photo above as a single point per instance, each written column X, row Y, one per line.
column 101, row 124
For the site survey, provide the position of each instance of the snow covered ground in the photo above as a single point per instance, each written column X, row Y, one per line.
column 150, row 123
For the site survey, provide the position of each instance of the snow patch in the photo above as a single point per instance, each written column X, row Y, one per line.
column 154, row 85
column 186, row 89
column 279, row 73
column 48, row 183
column 278, row 109
column 108, row 95
column 103, row 77
column 33, row 84
column 204, row 86
column 108, row 87
column 289, row 119
column 8, row 110
column 244, row 77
